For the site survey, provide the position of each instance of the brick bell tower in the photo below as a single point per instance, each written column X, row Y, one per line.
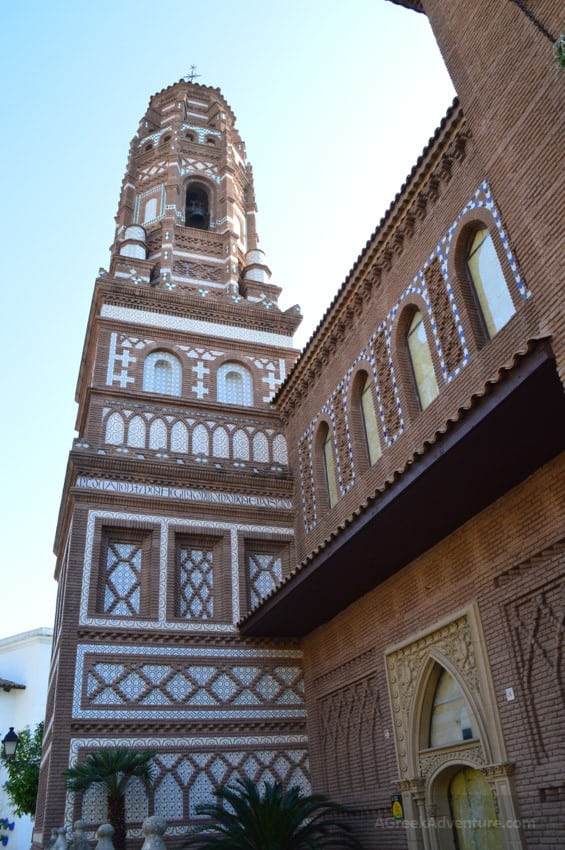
column 177, row 510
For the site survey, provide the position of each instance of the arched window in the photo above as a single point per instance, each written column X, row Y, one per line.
column 234, row 384
column 328, row 464
column 451, row 719
column 489, row 282
column 197, row 207
column 421, row 361
column 162, row 373
column 150, row 211
column 369, row 421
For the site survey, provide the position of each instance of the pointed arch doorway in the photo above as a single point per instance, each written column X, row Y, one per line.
column 453, row 773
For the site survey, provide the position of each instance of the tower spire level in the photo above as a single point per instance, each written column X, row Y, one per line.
column 186, row 223
column 177, row 515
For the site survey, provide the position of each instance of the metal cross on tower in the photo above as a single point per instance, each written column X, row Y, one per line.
column 192, row 75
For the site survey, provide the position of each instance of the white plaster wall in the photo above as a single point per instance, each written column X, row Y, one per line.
column 25, row 659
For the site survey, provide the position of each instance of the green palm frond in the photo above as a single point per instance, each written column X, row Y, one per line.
column 246, row 818
column 113, row 767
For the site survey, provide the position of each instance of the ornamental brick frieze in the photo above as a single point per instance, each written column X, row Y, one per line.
column 207, row 243
column 442, row 309
column 151, row 172
column 338, row 412
column 555, row 552
column 307, row 482
column 349, row 723
column 227, row 683
column 387, row 386
column 198, row 271
column 536, row 623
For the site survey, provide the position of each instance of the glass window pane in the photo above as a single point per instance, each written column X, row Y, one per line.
column 451, row 721
column 421, row 359
column 329, row 464
column 489, row 282
column 370, row 422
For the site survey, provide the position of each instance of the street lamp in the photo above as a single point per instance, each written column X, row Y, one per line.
column 9, row 744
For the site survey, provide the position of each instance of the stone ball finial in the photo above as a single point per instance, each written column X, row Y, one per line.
column 153, row 829
column 79, row 841
column 61, row 840
column 104, row 834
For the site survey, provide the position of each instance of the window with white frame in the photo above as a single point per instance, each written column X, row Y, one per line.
column 235, row 384
column 162, row 373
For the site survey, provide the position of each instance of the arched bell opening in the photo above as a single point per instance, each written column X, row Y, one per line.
column 197, row 209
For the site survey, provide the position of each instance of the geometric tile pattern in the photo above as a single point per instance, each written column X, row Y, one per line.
column 156, row 683
column 122, row 591
column 432, row 285
column 195, row 597
column 264, row 573
column 188, row 771
column 204, row 685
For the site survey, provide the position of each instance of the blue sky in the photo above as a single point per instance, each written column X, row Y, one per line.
column 334, row 103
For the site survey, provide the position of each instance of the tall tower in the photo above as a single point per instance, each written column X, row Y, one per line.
column 177, row 510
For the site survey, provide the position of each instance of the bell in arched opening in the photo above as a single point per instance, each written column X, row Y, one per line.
column 197, row 213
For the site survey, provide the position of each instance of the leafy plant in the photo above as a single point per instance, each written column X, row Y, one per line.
column 246, row 818
column 113, row 768
column 23, row 771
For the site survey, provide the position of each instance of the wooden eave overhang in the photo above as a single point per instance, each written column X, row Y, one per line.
column 513, row 427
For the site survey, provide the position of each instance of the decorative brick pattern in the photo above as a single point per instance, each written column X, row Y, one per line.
column 442, row 310
column 208, row 243
column 198, row 271
column 264, row 572
column 191, row 683
column 342, row 440
column 122, row 579
column 307, row 482
column 196, row 583
column 178, row 687
column 348, row 720
column 387, row 387
column 188, row 772
column 537, row 625
column 161, row 525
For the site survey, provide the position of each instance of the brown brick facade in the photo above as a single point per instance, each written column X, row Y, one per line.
column 205, row 564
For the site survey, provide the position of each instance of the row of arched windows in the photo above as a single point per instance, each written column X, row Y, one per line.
column 493, row 305
column 162, row 373
column 210, row 140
